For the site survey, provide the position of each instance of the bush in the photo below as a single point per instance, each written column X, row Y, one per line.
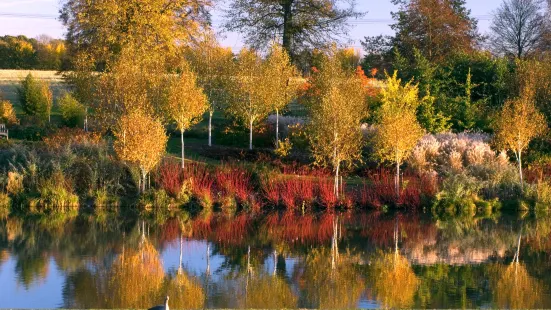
column 35, row 98
column 284, row 148
column 55, row 196
column 7, row 113
column 67, row 137
column 72, row 111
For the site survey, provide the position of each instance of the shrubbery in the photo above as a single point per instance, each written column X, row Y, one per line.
column 35, row 98
column 72, row 111
column 7, row 113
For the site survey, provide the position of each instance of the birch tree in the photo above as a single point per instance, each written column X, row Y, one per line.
column 213, row 65
column 398, row 130
column 186, row 102
column 248, row 93
column 337, row 102
column 518, row 123
column 140, row 140
column 279, row 73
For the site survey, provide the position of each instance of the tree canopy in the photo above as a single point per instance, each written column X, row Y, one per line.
column 295, row 24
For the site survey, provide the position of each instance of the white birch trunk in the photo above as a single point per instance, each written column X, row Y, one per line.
column 251, row 135
column 182, row 141
column 210, row 127
column 277, row 128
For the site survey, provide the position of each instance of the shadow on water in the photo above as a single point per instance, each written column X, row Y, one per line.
column 281, row 260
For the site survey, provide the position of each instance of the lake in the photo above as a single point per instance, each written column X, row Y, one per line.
column 280, row 260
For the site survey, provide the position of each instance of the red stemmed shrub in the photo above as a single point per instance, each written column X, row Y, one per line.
column 234, row 181
column 170, row 177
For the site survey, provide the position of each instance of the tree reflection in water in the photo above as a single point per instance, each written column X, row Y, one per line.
column 294, row 261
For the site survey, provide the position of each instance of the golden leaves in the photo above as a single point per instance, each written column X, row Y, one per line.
column 186, row 102
column 394, row 282
column 136, row 278
column 398, row 130
column 7, row 113
column 141, row 139
column 516, row 289
column 185, row 293
column 337, row 101
column 519, row 122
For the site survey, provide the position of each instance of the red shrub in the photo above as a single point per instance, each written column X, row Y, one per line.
column 326, row 193
column 234, row 181
column 271, row 192
column 169, row 177
column 201, row 181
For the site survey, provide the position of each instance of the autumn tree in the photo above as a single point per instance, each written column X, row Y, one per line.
column 387, row 269
column 185, row 103
column 35, row 97
column 214, row 66
column 100, row 30
column 280, row 88
column 518, row 27
column 438, row 28
column 337, row 104
column 134, row 81
column 7, row 113
column 140, row 140
column 518, row 123
column 398, row 130
column 296, row 24
column 248, row 91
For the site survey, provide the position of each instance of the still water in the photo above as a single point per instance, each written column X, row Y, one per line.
column 366, row 260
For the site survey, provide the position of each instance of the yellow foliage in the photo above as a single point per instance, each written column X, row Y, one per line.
column 398, row 130
column 213, row 65
column 159, row 26
column 134, row 82
column 393, row 281
column 337, row 101
column 516, row 289
column 136, row 279
column 519, row 122
column 248, row 88
column 329, row 288
column 185, row 293
column 7, row 113
column 278, row 73
column 396, row 96
column 15, row 183
column 141, row 140
column 267, row 291
column 186, row 102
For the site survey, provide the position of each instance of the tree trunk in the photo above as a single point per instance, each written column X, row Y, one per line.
column 182, row 141
column 251, row 135
column 288, row 26
column 277, row 128
column 520, row 171
column 397, row 180
column 336, row 189
column 210, row 127
column 144, row 176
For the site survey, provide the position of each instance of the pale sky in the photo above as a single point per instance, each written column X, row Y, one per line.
column 36, row 17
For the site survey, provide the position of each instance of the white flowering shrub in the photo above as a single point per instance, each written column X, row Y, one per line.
column 449, row 152
column 467, row 165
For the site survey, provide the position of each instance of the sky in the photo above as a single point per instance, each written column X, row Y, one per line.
column 36, row 17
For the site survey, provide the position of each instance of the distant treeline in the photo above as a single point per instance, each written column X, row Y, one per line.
column 42, row 53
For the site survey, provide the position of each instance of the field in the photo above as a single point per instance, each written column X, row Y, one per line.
column 11, row 79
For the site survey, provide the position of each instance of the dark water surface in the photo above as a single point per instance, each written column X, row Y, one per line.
column 367, row 260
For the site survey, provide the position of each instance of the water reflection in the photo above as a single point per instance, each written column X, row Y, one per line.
column 276, row 261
